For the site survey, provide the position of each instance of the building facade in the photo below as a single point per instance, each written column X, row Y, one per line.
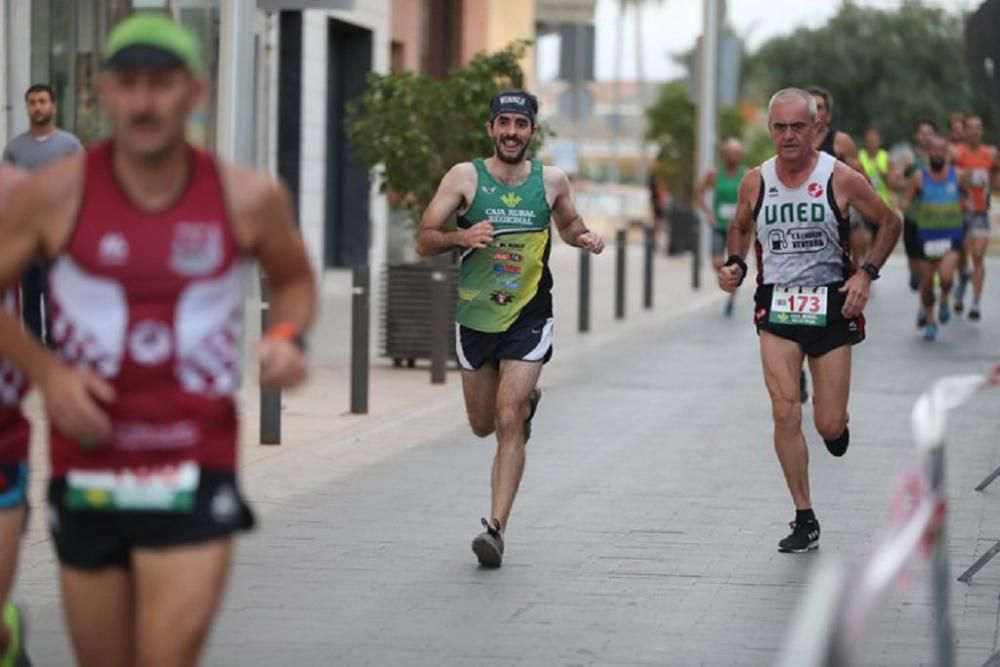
column 435, row 36
column 326, row 54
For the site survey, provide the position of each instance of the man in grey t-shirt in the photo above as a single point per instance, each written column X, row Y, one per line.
column 41, row 145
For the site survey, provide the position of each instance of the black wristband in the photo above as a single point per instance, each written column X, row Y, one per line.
column 738, row 261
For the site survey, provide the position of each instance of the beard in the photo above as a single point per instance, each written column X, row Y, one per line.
column 937, row 164
column 515, row 159
column 41, row 120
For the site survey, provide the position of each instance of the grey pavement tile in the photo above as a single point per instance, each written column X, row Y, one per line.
column 646, row 526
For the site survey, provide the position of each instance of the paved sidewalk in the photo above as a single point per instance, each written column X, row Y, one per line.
column 646, row 526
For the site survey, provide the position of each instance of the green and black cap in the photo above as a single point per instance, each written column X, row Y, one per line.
column 151, row 41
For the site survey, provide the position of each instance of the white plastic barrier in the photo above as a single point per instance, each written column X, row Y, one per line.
column 831, row 621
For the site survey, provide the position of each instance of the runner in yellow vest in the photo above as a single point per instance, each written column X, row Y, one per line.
column 879, row 169
column 877, row 165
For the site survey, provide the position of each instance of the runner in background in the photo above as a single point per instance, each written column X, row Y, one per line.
column 724, row 181
column 882, row 174
column 980, row 162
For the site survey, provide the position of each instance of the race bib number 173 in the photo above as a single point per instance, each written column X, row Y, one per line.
column 800, row 306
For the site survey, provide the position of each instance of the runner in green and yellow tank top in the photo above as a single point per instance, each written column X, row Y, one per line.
column 725, row 183
column 505, row 204
column 500, row 284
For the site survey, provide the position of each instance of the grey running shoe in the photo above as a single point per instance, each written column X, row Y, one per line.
column 535, row 398
column 488, row 546
column 804, row 537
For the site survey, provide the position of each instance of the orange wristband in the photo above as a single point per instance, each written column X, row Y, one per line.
column 286, row 331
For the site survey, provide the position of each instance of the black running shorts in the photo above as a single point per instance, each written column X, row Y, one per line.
column 815, row 341
column 96, row 539
column 526, row 340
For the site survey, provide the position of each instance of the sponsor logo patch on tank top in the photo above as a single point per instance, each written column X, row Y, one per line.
column 197, row 248
column 113, row 249
column 151, row 342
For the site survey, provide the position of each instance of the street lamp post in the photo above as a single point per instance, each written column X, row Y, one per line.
column 707, row 117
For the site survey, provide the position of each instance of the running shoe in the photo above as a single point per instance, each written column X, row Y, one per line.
column 804, row 537
column 535, row 398
column 944, row 314
column 16, row 654
column 803, row 387
column 974, row 314
column 930, row 332
column 488, row 545
column 921, row 318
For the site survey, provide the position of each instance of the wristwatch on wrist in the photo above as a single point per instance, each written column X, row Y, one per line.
column 871, row 270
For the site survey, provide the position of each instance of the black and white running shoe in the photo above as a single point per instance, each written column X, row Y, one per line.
column 804, row 537
column 488, row 546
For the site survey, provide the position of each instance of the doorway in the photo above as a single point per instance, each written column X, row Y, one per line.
column 348, row 228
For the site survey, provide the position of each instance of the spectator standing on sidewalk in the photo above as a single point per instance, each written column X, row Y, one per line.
column 41, row 145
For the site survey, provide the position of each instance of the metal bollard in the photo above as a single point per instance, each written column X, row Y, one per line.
column 647, row 283
column 621, row 241
column 944, row 632
column 270, row 399
column 439, row 327
column 360, row 309
column 696, row 255
column 583, row 315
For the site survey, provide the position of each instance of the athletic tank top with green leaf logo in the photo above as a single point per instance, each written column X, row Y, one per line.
column 510, row 279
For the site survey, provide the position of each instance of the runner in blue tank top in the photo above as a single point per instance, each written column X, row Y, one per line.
column 933, row 196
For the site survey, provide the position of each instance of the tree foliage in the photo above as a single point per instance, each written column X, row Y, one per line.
column 672, row 125
column 886, row 67
column 411, row 128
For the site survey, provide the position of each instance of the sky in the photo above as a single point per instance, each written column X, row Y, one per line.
column 672, row 26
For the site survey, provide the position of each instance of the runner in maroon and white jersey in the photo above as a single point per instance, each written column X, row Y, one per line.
column 15, row 433
column 148, row 238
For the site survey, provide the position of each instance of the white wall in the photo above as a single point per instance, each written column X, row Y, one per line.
column 372, row 15
column 15, row 66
